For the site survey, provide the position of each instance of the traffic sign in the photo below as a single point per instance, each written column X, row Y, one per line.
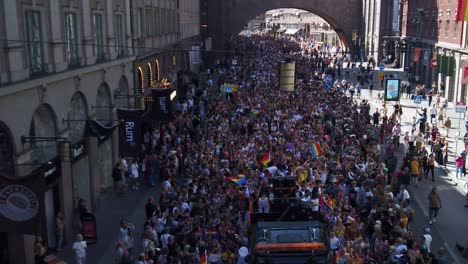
column 329, row 78
column 381, row 66
column 381, row 76
column 433, row 63
column 418, row 99
column 328, row 85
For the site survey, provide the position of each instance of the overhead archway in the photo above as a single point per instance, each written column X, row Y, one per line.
column 121, row 94
column 7, row 151
column 43, row 127
column 343, row 16
column 77, row 117
column 103, row 107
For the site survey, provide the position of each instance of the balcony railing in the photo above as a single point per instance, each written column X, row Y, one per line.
column 38, row 69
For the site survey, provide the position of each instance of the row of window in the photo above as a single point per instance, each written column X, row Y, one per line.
column 156, row 21
column 429, row 28
column 447, row 28
column 35, row 40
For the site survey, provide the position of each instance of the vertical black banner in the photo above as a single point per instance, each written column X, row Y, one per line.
column 22, row 204
column 129, row 132
column 161, row 108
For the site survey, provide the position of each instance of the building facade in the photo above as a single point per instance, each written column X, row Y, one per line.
column 163, row 34
column 63, row 64
column 435, row 46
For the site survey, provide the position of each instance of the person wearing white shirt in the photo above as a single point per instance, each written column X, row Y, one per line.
column 125, row 234
column 185, row 206
column 428, row 239
column 335, row 243
column 404, row 195
column 80, row 249
column 433, row 114
column 134, row 174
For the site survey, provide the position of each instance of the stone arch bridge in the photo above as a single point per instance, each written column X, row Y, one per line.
column 228, row 17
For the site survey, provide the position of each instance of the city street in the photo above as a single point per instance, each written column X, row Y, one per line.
column 113, row 209
column 451, row 223
column 450, row 226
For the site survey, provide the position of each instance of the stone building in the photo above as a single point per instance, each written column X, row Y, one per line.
column 165, row 30
column 436, row 46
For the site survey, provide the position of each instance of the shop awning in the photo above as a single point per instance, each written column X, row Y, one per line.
column 292, row 31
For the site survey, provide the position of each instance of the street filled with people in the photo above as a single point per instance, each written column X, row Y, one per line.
column 215, row 162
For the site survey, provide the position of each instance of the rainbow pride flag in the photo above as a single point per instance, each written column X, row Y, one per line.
column 265, row 159
column 203, row 258
column 239, row 179
column 462, row 10
column 359, row 242
column 315, row 150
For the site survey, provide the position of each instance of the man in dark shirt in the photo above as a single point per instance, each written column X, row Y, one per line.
column 376, row 117
column 117, row 177
column 150, row 208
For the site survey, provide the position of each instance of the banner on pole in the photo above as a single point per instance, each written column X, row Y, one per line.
column 129, row 132
column 161, row 107
column 417, row 55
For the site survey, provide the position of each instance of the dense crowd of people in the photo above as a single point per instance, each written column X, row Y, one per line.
column 355, row 181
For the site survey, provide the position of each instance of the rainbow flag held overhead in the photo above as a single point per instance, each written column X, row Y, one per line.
column 359, row 242
column 239, row 179
column 265, row 159
column 315, row 150
column 462, row 10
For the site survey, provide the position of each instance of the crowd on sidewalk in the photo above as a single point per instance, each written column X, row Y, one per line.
column 214, row 172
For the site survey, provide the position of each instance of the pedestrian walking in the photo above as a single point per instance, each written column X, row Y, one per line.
column 125, row 235
column 430, row 95
column 117, row 177
column 80, row 249
column 59, row 225
column 459, row 163
column 434, row 205
column 134, row 174
column 428, row 239
column 447, row 126
column 414, row 171
column 441, row 115
column 430, row 166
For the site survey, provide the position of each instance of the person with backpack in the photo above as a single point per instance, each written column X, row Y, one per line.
column 435, row 204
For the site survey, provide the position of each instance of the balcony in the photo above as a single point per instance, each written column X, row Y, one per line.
column 38, row 69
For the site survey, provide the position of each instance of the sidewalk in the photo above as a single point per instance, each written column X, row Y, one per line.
column 112, row 209
column 451, row 226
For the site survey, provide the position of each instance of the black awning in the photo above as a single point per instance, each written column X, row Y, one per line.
column 96, row 129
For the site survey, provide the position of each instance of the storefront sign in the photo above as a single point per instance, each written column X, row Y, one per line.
column 77, row 151
column 22, row 204
column 50, row 171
